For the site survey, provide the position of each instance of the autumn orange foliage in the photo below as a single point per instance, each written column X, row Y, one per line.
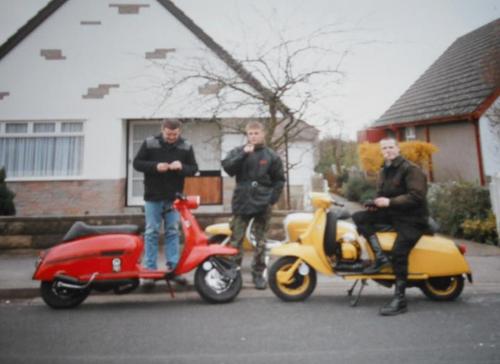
column 418, row 152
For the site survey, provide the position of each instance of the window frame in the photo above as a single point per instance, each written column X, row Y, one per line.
column 410, row 133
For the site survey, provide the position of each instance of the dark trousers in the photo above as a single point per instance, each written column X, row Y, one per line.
column 239, row 224
column 408, row 234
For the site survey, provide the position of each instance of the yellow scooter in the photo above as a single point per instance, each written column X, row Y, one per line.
column 322, row 242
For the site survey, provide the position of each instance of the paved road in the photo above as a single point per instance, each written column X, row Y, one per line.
column 256, row 328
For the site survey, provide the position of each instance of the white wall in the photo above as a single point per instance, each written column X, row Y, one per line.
column 301, row 157
column 490, row 141
column 110, row 53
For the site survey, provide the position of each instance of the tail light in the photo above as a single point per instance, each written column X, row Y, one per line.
column 462, row 248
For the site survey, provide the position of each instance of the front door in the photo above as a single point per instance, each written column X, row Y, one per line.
column 205, row 137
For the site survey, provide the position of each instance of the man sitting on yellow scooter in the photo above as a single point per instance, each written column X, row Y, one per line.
column 401, row 203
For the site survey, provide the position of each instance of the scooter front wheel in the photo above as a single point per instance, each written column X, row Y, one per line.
column 59, row 297
column 443, row 288
column 218, row 280
column 300, row 285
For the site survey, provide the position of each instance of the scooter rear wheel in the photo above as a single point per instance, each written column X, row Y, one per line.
column 218, row 280
column 299, row 288
column 443, row 288
column 61, row 298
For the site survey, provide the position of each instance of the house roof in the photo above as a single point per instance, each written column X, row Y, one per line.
column 30, row 26
column 53, row 5
column 457, row 85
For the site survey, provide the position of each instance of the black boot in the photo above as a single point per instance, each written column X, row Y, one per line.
column 259, row 280
column 398, row 302
column 381, row 260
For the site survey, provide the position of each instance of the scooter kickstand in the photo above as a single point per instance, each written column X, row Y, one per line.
column 353, row 302
column 170, row 289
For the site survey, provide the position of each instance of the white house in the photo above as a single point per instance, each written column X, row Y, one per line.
column 82, row 85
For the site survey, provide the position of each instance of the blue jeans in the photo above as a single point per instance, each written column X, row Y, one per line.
column 156, row 211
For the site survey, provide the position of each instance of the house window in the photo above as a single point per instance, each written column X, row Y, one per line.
column 410, row 133
column 41, row 149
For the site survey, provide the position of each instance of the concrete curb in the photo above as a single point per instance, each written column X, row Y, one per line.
column 159, row 288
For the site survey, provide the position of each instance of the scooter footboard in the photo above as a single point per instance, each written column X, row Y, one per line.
column 200, row 253
column 306, row 253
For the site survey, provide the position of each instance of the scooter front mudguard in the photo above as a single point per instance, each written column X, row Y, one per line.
column 306, row 253
column 200, row 253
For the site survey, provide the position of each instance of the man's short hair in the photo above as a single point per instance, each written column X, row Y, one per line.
column 389, row 138
column 171, row 124
column 254, row 125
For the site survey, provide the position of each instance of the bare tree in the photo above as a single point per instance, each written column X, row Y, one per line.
column 281, row 78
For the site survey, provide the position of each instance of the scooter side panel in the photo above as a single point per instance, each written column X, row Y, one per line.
column 225, row 229
column 437, row 256
column 434, row 255
column 218, row 229
column 83, row 257
column 304, row 252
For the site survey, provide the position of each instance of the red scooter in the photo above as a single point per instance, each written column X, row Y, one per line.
column 108, row 258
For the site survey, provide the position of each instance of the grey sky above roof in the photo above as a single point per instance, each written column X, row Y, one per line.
column 456, row 84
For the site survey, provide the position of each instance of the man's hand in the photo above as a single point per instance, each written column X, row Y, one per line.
column 382, row 202
column 249, row 148
column 162, row 167
column 175, row 166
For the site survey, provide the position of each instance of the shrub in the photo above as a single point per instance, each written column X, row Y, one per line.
column 6, row 197
column 482, row 230
column 451, row 204
column 359, row 189
column 418, row 152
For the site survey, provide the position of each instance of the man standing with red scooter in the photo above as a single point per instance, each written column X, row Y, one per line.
column 165, row 160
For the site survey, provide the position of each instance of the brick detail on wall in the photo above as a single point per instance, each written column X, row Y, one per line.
column 90, row 22
column 4, row 95
column 159, row 53
column 52, row 54
column 100, row 91
column 57, row 198
column 210, row 88
column 128, row 8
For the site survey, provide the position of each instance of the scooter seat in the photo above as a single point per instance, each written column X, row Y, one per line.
column 431, row 229
column 80, row 229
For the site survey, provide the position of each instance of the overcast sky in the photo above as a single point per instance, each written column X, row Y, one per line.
column 405, row 38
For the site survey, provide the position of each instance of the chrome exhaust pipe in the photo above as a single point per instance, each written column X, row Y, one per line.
column 72, row 283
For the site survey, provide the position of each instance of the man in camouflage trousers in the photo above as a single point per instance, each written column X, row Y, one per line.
column 259, row 182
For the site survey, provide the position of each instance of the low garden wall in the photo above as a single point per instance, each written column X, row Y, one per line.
column 43, row 232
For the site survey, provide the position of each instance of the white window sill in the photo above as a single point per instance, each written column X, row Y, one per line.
column 45, row 179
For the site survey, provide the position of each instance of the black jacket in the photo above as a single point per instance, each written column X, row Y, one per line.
column 259, row 179
column 405, row 184
column 163, row 186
